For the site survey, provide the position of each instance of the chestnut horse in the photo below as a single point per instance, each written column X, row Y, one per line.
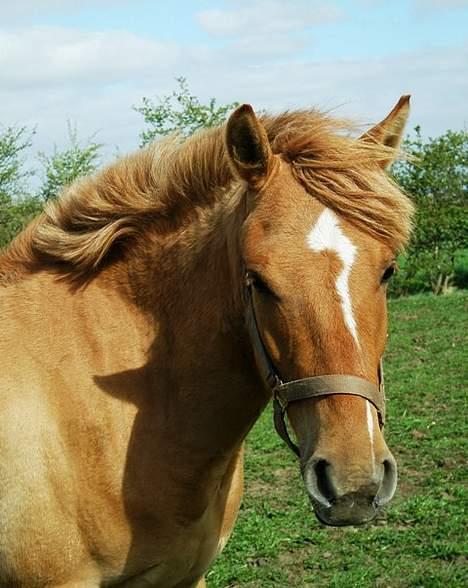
column 138, row 313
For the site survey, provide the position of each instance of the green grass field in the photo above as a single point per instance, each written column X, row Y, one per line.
column 421, row 539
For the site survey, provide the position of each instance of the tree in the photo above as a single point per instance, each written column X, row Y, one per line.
column 16, row 207
column 436, row 177
column 180, row 112
column 63, row 167
column 13, row 144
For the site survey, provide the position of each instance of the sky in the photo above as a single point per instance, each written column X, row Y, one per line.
column 90, row 61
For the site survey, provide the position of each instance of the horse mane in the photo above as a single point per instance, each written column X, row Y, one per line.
column 170, row 178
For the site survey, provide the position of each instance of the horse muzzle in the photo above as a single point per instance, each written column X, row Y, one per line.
column 353, row 502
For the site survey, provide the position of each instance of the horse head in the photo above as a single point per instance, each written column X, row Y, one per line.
column 322, row 228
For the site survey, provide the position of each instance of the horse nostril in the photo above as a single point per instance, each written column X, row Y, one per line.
column 389, row 482
column 324, row 483
column 318, row 482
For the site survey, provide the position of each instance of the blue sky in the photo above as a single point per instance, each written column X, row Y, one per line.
column 362, row 28
column 89, row 61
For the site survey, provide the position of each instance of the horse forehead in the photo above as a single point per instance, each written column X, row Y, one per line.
column 327, row 234
column 316, row 229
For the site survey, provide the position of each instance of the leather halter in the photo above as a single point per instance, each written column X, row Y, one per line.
column 313, row 387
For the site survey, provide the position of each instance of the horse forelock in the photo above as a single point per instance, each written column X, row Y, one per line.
column 166, row 180
column 343, row 173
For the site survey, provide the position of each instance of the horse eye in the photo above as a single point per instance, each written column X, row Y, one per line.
column 388, row 273
column 258, row 283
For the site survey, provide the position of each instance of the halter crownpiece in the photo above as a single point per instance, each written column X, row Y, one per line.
column 313, row 387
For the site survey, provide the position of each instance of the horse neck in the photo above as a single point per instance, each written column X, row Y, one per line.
column 209, row 377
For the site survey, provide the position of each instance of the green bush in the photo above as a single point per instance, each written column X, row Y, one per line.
column 15, row 215
column 14, row 142
column 436, row 177
column 64, row 166
column 16, row 209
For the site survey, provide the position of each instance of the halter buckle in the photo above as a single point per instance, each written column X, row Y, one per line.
column 283, row 403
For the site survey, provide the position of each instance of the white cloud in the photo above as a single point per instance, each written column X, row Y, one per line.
column 47, row 56
column 364, row 89
column 16, row 11
column 267, row 30
column 267, row 17
column 51, row 75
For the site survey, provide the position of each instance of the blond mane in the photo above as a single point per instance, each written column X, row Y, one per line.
column 171, row 178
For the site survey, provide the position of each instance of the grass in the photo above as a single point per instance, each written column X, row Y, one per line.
column 420, row 540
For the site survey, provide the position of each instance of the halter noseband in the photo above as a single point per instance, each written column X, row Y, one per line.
column 314, row 387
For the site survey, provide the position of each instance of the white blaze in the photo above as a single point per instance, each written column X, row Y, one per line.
column 327, row 235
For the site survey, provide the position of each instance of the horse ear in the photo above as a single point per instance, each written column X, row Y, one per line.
column 248, row 146
column 389, row 132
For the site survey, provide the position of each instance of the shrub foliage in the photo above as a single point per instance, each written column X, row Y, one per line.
column 436, row 177
column 180, row 112
column 64, row 166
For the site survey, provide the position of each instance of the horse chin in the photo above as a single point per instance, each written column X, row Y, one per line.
column 345, row 515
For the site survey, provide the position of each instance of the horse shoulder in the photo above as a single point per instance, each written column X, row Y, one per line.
column 63, row 439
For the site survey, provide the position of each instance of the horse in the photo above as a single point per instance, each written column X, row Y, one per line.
column 150, row 314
